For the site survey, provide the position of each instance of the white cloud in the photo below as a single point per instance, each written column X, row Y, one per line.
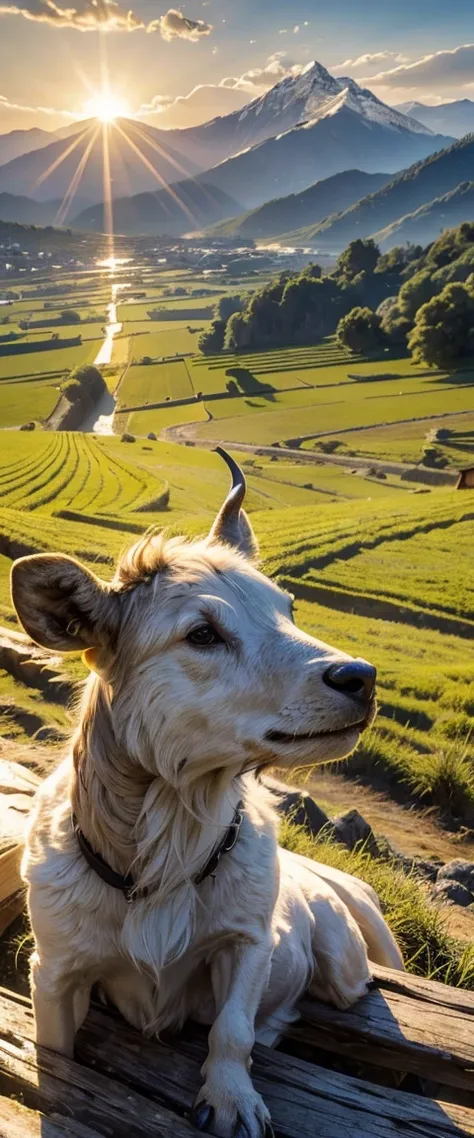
column 369, row 60
column 204, row 102
column 7, row 105
column 296, row 29
column 452, row 68
column 104, row 15
column 208, row 100
column 260, row 79
column 174, row 25
column 85, row 15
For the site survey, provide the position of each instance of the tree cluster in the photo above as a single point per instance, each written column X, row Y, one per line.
column 409, row 297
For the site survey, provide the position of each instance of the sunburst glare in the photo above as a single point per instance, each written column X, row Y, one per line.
column 106, row 107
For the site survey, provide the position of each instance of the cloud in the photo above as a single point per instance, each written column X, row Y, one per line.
column 260, row 79
column 7, row 105
column 104, row 15
column 85, row 15
column 370, row 59
column 208, row 100
column 174, row 25
column 203, row 103
column 447, row 69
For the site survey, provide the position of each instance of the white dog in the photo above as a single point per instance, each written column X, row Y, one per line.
column 151, row 855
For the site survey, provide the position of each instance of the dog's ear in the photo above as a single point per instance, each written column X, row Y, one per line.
column 232, row 525
column 62, row 605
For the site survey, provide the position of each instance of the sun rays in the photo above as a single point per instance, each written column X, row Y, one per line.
column 107, row 135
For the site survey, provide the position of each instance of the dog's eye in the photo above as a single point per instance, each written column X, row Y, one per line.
column 204, row 636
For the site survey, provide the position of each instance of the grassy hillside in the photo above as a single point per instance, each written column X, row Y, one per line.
column 328, row 196
column 421, row 183
column 425, row 224
column 388, row 579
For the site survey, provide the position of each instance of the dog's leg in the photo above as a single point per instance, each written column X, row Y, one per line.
column 53, row 1005
column 227, row 1104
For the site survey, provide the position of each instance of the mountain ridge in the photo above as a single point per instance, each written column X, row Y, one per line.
column 416, row 186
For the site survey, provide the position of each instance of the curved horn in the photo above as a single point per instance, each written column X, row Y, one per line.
column 232, row 524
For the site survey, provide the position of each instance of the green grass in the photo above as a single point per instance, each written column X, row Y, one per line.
column 166, row 339
column 37, row 363
column 70, row 471
column 26, row 400
column 294, row 414
column 154, row 383
column 141, row 422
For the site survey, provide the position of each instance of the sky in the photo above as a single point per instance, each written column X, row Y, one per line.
column 177, row 66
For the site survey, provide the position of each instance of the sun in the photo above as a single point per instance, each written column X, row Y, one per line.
column 106, row 107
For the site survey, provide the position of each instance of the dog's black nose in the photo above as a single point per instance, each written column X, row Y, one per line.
column 356, row 677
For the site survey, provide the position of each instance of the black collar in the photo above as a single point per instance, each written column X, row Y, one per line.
column 125, row 882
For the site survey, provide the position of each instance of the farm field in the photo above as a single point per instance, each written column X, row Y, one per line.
column 404, row 442
column 172, row 340
column 57, row 360
column 84, row 496
column 23, row 399
column 154, row 383
column 298, row 413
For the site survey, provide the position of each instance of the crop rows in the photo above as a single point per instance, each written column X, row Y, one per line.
column 71, row 471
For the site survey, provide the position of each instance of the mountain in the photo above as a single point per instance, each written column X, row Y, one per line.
column 449, row 118
column 292, row 101
column 17, row 207
column 415, row 187
column 307, row 127
column 139, row 161
column 185, row 207
column 348, row 128
column 426, row 223
column 327, row 196
column 18, row 142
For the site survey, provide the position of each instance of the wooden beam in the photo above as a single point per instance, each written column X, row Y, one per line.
column 127, row 1082
column 407, row 1024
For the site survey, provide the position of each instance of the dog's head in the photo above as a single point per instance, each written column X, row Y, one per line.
column 203, row 663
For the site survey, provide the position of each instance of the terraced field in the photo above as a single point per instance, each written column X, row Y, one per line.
column 70, row 471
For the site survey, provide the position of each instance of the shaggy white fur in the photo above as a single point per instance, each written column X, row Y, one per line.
column 200, row 677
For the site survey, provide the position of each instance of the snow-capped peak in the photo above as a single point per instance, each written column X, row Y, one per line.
column 314, row 93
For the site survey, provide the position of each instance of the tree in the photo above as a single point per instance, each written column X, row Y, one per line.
column 360, row 330
column 359, row 257
column 227, row 305
column 444, row 328
column 415, row 292
column 211, row 341
column 70, row 316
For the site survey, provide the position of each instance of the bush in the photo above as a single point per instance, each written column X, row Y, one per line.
column 360, row 330
column 72, row 389
column 70, row 316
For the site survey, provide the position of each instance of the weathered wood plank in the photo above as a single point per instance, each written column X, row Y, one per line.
column 17, row 1121
column 127, row 1070
column 406, row 1024
column 420, row 988
column 60, row 1087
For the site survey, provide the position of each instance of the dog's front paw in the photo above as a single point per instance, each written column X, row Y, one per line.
column 228, row 1106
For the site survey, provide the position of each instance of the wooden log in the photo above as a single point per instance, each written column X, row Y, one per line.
column 124, row 1076
column 16, row 1121
column 60, row 1087
column 408, row 1024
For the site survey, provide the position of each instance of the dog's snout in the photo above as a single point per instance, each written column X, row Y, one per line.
column 356, row 677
